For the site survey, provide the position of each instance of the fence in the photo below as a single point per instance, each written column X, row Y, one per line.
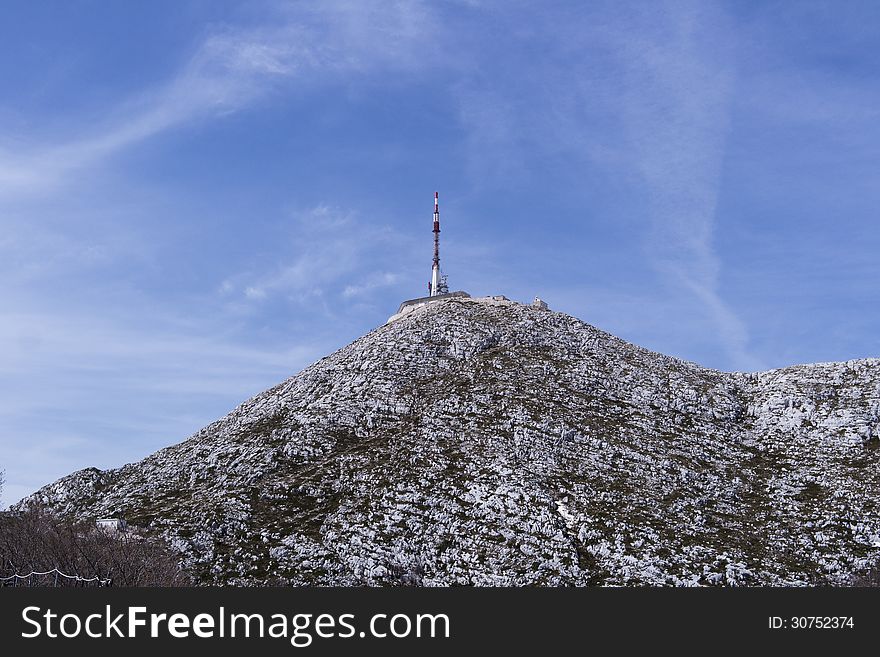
column 53, row 578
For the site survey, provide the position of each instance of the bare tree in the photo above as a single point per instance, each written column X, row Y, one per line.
column 37, row 541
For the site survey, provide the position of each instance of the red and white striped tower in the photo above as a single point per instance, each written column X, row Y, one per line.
column 435, row 270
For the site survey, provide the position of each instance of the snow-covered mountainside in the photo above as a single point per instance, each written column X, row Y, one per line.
column 490, row 443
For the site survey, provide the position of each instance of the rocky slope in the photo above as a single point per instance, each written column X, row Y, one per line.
column 490, row 443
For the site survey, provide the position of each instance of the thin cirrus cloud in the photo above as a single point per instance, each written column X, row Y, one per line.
column 226, row 73
column 663, row 81
column 232, row 69
column 370, row 283
column 678, row 102
column 328, row 249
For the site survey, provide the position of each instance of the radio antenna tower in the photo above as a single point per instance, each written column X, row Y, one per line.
column 438, row 281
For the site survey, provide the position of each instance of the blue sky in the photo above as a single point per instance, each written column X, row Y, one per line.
column 197, row 199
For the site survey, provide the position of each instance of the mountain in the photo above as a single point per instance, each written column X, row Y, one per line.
column 484, row 442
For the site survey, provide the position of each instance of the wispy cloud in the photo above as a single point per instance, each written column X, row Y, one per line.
column 230, row 70
column 370, row 283
column 663, row 76
column 226, row 73
column 333, row 254
column 676, row 108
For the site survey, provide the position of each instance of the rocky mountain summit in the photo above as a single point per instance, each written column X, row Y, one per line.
column 484, row 442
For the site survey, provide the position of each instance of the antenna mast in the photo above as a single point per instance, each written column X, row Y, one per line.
column 436, row 282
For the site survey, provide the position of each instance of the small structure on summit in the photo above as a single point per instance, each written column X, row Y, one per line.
column 438, row 289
